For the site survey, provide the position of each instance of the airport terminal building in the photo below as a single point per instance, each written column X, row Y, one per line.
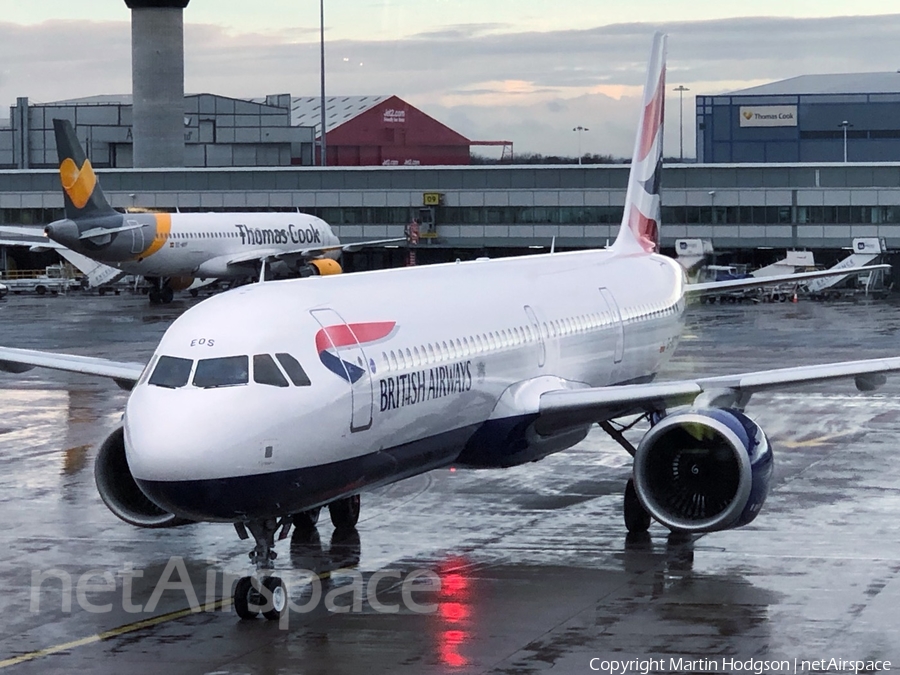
column 472, row 210
column 803, row 119
column 774, row 176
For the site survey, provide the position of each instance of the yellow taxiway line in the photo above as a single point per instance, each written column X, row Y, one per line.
column 115, row 632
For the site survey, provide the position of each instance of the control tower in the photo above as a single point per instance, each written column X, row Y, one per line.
column 157, row 76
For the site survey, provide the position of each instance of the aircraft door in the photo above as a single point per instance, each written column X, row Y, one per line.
column 137, row 237
column 536, row 327
column 341, row 353
column 612, row 307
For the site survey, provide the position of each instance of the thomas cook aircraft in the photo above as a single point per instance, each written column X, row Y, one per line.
column 173, row 249
column 280, row 398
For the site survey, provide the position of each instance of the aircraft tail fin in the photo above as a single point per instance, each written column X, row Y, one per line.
column 81, row 190
column 639, row 232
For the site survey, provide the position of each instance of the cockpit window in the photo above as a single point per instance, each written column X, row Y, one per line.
column 145, row 375
column 171, row 372
column 294, row 370
column 223, row 372
column 265, row 371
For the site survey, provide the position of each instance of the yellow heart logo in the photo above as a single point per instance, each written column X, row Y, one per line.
column 748, row 115
column 78, row 183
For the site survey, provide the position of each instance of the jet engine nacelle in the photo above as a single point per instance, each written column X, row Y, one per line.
column 703, row 470
column 179, row 283
column 324, row 267
column 120, row 492
column 316, row 267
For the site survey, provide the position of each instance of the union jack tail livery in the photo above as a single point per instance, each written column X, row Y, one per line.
column 640, row 222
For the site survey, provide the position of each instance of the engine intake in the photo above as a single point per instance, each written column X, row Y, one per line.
column 704, row 470
column 120, row 492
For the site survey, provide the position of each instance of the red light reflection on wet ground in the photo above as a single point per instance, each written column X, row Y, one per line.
column 453, row 613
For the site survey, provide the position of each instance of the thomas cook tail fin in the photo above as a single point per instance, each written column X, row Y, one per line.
column 81, row 189
column 639, row 232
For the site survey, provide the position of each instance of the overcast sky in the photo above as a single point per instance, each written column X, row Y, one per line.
column 526, row 71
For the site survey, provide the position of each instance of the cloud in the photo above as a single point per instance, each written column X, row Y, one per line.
column 528, row 87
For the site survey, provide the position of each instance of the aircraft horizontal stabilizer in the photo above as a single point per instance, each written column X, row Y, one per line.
column 712, row 287
column 103, row 231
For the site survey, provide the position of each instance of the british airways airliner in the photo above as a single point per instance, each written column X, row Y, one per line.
column 265, row 403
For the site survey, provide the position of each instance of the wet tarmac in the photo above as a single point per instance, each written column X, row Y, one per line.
column 535, row 572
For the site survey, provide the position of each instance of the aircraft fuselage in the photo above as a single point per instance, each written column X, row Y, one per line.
column 428, row 367
column 191, row 244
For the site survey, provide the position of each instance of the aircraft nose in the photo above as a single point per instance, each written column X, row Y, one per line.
column 63, row 232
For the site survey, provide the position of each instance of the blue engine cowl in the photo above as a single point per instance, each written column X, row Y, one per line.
column 704, row 470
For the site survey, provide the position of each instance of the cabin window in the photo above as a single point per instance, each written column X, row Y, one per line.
column 265, row 371
column 394, row 365
column 294, row 370
column 171, row 372
column 227, row 371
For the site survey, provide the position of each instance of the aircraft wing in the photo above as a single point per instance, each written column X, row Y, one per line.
column 566, row 408
column 22, row 231
column 124, row 373
column 32, row 237
column 96, row 272
column 310, row 252
column 35, row 246
column 711, row 287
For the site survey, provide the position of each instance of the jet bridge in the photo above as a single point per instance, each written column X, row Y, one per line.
column 796, row 261
column 691, row 254
column 866, row 251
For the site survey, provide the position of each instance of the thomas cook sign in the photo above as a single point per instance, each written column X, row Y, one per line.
column 768, row 116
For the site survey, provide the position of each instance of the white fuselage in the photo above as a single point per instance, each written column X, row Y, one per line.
column 450, row 366
column 207, row 244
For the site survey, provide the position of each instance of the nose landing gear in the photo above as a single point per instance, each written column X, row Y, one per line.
column 263, row 593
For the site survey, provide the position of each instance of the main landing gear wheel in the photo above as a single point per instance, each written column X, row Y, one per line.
column 166, row 294
column 636, row 517
column 246, row 599
column 155, row 297
column 345, row 512
column 306, row 520
column 276, row 600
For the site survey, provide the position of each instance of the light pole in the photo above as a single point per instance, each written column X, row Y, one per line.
column 681, row 89
column 579, row 129
column 712, row 206
column 322, row 73
column 845, row 124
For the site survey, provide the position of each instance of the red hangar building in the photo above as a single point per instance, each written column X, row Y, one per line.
column 379, row 131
